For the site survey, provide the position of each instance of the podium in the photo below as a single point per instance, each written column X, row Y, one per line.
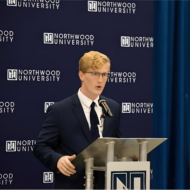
column 115, row 156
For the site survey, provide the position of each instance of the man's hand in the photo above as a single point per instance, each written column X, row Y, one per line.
column 64, row 165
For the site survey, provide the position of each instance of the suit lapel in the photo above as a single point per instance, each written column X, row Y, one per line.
column 79, row 113
column 107, row 122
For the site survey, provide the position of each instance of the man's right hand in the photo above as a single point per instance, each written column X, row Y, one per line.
column 64, row 165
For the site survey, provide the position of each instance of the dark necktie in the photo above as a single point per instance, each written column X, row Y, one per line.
column 94, row 122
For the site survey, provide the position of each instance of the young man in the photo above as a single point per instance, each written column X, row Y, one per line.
column 71, row 125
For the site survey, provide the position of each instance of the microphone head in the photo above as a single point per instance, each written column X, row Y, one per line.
column 106, row 109
column 100, row 101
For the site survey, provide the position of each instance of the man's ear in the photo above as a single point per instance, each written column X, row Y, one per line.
column 81, row 76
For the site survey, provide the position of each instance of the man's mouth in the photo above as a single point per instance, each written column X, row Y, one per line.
column 98, row 87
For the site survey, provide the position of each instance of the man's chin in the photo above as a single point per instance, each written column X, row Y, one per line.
column 98, row 92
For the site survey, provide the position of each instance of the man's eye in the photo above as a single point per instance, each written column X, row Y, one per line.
column 104, row 74
column 95, row 74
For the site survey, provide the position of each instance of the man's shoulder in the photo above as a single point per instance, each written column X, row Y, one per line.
column 69, row 101
column 110, row 101
column 66, row 102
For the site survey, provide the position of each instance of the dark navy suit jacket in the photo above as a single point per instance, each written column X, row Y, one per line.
column 65, row 131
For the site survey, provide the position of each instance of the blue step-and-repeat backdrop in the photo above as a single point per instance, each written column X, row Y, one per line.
column 41, row 42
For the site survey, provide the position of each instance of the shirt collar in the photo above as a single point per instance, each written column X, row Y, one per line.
column 87, row 101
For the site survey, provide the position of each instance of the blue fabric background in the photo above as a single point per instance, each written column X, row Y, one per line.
column 171, row 88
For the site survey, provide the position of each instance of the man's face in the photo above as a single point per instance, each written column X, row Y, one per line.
column 92, row 86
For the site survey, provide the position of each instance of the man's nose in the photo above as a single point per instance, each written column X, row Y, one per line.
column 100, row 78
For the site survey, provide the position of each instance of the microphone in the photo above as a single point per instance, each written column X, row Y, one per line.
column 106, row 109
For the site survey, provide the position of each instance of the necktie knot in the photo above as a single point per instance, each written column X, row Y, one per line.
column 92, row 105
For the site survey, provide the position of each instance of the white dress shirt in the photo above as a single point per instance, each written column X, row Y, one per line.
column 86, row 105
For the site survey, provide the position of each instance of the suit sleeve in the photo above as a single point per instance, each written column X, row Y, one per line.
column 118, row 134
column 48, row 139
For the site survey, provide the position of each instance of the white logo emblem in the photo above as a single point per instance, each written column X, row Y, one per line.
column 92, row 6
column 46, row 105
column 33, row 75
column 126, row 107
column 20, row 145
column 48, row 177
column 10, row 146
column 122, row 77
column 68, row 39
column 138, row 107
column 11, row 74
column 6, row 179
column 12, row 3
column 125, row 41
column 48, row 4
column 137, row 41
column 48, row 38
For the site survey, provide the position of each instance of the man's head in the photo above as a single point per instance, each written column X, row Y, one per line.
column 90, row 65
